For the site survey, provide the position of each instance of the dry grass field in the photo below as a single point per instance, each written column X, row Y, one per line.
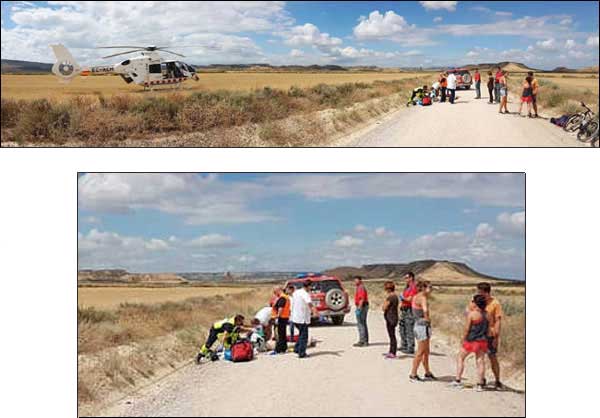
column 112, row 297
column 47, row 86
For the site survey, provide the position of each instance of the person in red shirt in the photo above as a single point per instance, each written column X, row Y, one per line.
column 477, row 78
column 361, row 303
column 497, row 85
column 407, row 319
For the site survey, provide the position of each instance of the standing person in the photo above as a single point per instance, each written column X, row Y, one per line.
column 390, row 314
column 420, row 309
column 477, row 78
column 282, row 315
column 536, row 86
column 361, row 302
column 301, row 314
column 504, row 92
column 527, row 95
column 443, row 79
column 290, row 292
column 407, row 320
column 474, row 341
column 452, row 86
column 490, row 86
column 494, row 316
column 497, row 84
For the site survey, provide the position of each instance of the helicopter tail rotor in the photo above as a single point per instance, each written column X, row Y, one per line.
column 65, row 68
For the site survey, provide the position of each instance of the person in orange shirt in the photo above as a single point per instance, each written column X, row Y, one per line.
column 443, row 80
column 494, row 315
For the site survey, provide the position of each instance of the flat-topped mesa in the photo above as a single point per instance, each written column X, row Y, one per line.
column 433, row 270
column 123, row 276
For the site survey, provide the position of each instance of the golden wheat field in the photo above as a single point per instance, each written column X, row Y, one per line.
column 579, row 83
column 47, row 86
column 112, row 297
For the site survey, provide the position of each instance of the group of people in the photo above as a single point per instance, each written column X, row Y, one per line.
column 288, row 308
column 411, row 312
column 444, row 89
column 497, row 85
column 292, row 309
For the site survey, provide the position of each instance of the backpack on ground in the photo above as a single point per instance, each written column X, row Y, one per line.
column 426, row 101
column 562, row 121
column 242, row 350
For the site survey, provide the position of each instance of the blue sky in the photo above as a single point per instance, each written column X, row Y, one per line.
column 392, row 34
column 260, row 222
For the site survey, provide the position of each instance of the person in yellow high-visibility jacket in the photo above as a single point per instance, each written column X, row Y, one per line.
column 227, row 328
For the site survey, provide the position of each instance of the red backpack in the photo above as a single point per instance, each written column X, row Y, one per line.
column 426, row 101
column 242, row 351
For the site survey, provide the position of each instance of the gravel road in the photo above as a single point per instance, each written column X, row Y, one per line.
column 467, row 123
column 336, row 380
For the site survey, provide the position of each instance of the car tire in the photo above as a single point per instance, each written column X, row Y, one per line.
column 335, row 299
column 337, row 320
column 467, row 78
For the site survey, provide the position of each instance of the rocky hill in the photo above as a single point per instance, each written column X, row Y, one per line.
column 123, row 276
column 433, row 270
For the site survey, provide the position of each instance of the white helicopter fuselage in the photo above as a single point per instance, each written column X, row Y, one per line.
column 148, row 69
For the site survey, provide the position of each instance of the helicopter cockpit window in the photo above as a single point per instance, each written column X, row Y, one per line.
column 154, row 69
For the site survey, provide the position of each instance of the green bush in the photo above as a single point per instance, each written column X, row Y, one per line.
column 93, row 316
column 10, row 112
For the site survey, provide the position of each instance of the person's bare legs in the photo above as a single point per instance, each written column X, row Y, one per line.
column 460, row 363
column 505, row 103
column 418, row 357
column 426, row 347
column 480, row 360
column 520, row 108
column 495, row 366
column 529, row 109
column 535, row 107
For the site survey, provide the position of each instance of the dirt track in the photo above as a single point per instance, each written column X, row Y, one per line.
column 336, row 380
column 467, row 123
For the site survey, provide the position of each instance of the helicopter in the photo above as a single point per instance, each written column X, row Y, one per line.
column 147, row 69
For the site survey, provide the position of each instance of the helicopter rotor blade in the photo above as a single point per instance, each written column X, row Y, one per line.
column 123, row 53
column 121, row 47
column 171, row 52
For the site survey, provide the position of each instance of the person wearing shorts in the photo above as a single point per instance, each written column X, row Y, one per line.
column 475, row 341
column 494, row 315
column 503, row 84
column 422, row 331
column 536, row 86
column 527, row 95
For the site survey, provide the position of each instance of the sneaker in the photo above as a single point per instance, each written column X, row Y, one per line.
column 390, row 356
column 199, row 358
column 273, row 353
column 415, row 379
column 430, row 376
column 498, row 385
column 360, row 344
column 457, row 384
column 479, row 387
column 303, row 356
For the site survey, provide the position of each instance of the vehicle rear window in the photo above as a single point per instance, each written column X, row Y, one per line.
column 326, row 285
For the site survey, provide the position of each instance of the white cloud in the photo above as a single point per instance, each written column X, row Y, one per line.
column 381, row 231
column 566, row 21
column 296, row 53
column 512, row 223
column 503, row 14
column 393, row 27
column 484, row 230
column 548, row 44
column 438, row 19
column 361, row 228
column 310, row 35
column 439, row 5
column 213, row 241
column 198, row 200
column 472, row 54
column 348, row 241
column 592, row 41
column 83, row 25
column 570, row 44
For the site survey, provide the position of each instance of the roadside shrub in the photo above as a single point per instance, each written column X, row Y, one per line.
column 35, row 122
column 158, row 114
column 94, row 316
column 555, row 99
column 10, row 112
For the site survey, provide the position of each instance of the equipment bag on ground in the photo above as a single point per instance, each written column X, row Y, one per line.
column 242, row 350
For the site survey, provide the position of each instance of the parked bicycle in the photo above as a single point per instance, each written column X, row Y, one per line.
column 575, row 121
column 588, row 130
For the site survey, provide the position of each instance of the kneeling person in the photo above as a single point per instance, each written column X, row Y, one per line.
column 228, row 328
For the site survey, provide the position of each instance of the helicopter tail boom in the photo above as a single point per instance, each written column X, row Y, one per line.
column 65, row 68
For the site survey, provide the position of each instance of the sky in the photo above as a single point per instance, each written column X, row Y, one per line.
column 299, row 222
column 541, row 34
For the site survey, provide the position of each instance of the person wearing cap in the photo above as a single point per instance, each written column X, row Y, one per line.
column 301, row 313
column 361, row 303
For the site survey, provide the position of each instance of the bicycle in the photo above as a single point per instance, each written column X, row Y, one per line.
column 588, row 130
column 575, row 121
column 595, row 139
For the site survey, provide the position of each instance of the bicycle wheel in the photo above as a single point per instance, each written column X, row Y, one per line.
column 586, row 133
column 574, row 122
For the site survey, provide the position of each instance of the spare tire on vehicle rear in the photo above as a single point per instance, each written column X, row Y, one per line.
column 467, row 78
column 335, row 299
